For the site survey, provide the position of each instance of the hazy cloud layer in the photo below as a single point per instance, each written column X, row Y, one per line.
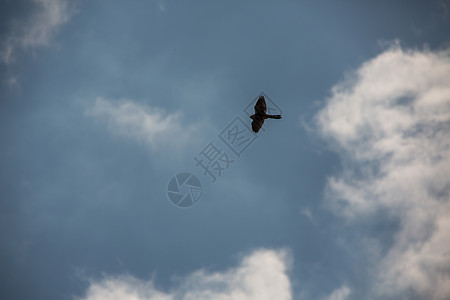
column 38, row 29
column 150, row 125
column 390, row 120
column 262, row 275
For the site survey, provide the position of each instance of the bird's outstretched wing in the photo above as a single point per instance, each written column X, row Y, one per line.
column 260, row 107
column 257, row 123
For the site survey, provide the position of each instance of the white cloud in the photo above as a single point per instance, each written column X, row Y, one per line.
column 262, row 275
column 340, row 294
column 390, row 121
column 150, row 125
column 38, row 29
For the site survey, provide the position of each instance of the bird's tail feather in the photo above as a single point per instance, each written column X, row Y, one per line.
column 274, row 116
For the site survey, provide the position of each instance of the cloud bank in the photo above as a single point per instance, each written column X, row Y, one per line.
column 38, row 29
column 262, row 275
column 390, row 121
column 149, row 125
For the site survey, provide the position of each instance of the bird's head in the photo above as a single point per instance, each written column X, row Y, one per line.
column 252, row 117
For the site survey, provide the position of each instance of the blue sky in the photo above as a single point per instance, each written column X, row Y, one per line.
column 346, row 197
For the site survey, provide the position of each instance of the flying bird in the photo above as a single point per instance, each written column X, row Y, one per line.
column 260, row 114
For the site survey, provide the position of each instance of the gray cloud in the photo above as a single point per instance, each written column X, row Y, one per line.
column 38, row 29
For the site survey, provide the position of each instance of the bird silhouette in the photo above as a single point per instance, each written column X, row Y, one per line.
column 260, row 114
